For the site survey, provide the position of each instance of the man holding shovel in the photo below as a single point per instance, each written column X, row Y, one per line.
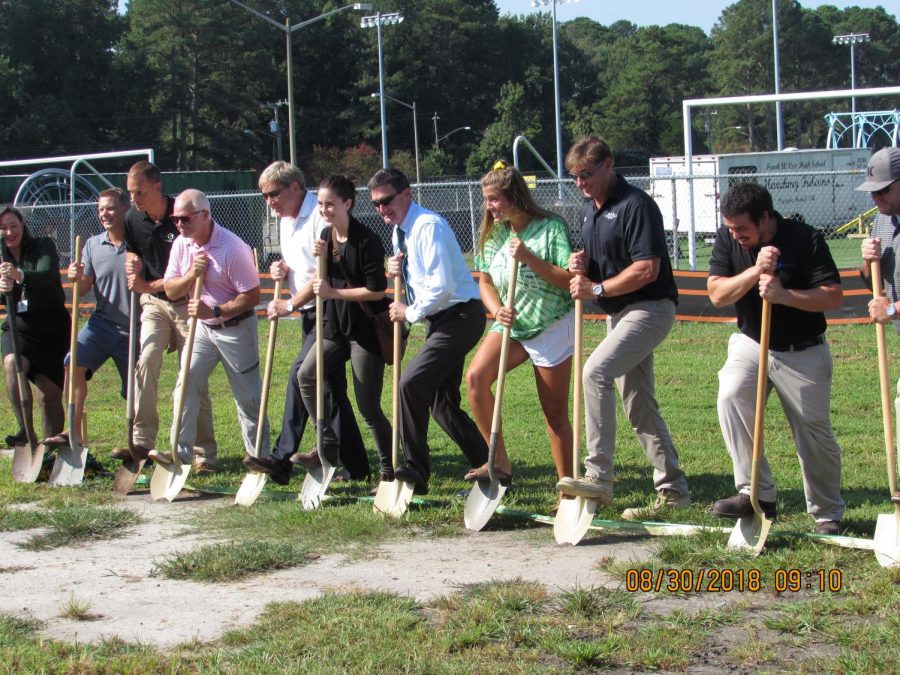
column 149, row 233
column 441, row 292
column 624, row 269
column 761, row 255
column 883, row 183
column 105, row 336
column 227, row 331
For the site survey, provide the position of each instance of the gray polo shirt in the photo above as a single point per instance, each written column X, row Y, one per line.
column 105, row 261
column 888, row 229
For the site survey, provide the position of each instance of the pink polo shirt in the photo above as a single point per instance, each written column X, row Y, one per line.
column 230, row 270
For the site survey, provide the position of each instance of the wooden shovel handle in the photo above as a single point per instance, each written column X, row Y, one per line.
column 267, row 371
column 576, row 400
column 762, row 380
column 887, row 419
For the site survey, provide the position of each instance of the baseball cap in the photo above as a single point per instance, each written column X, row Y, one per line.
column 883, row 169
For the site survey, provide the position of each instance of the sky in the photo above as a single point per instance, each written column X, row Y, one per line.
column 702, row 13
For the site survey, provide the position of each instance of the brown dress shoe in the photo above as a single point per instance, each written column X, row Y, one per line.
column 308, row 459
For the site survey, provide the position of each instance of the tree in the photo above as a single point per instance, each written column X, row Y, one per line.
column 513, row 118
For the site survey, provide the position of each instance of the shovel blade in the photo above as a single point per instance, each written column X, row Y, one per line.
column 68, row 469
column 573, row 518
column 250, row 489
column 168, row 480
column 887, row 539
column 392, row 497
column 27, row 462
column 749, row 534
column 126, row 475
column 483, row 500
column 314, row 486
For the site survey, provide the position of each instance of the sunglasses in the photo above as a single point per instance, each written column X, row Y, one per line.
column 585, row 175
column 178, row 220
column 271, row 194
column 384, row 201
column 884, row 190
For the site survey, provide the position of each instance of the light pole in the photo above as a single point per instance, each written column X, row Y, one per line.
column 378, row 20
column 779, row 123
column 559, row 152
column 275, row 124
column 437, row 141
column 852, row 39
column 289, row 32
column 411, row 106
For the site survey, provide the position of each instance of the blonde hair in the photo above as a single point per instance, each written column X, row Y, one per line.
column 509, row 182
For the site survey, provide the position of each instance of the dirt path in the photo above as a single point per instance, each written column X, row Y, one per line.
column 113, row 576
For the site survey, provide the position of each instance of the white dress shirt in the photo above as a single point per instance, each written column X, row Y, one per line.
column 296, row 236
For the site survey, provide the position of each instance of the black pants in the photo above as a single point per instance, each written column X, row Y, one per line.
column 343, row 421
column 430, row 383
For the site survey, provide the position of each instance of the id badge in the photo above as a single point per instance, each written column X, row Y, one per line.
column 22, row 306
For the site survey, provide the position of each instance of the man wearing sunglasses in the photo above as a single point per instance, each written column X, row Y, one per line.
column 625, row 271
column 226, row 330
column 441, row 292
column 149, row 234
column 883, row 183
column 282, row 187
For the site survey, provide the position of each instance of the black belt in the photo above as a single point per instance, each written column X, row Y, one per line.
column 437, row 316
column 162, row 296
column 800, row 346
column 233, row 321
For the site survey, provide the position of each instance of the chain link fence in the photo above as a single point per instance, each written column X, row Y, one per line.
column 824, row 199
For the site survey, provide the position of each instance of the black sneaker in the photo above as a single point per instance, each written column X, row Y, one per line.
column 278, row 470
column 93, row 468
column 739, row 506
column 12, row 440
column 829, row 527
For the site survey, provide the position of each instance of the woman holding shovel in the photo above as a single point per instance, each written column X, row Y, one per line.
column 29, row 277
column 353, row 291
column 515, row 228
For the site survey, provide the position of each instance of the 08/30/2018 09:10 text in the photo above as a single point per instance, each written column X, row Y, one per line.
column 714, row 580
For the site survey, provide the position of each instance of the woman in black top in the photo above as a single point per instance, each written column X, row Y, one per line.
column 354, row 275
column 29, row 277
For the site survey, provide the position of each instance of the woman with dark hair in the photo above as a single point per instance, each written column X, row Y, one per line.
column 514, row 227
column 353, row 291
column 29, row 277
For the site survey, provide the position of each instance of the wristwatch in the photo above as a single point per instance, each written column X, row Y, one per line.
column 891, row 310
column 217, row 312
column 289, row 307
column 597, row 289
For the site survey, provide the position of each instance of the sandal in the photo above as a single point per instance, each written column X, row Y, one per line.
column 481, row 475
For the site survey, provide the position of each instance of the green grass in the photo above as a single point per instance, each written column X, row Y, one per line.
column 517, row 627
column 230, row 561
column 80, row 524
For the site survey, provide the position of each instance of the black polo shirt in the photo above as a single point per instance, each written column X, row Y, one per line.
column 151, row 240
column 628, row 228
column 805, row 262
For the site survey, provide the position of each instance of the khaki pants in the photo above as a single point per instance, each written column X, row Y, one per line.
column 164, row 327
column 625, row 360
column 802, row 381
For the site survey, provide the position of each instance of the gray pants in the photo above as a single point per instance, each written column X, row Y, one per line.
column 625, row 358
column 237, row 348
column 368, row 380
column 802, row 381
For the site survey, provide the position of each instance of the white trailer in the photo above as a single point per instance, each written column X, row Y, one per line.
column 815, row 184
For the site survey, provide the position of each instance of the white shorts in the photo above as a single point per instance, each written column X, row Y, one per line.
column 554, row 344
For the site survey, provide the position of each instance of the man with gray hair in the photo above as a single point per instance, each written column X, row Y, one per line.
column 282, row 187
column 883, row 183
column 227, row 330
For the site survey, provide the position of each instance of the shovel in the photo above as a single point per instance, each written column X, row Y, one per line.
column 254, row 482
column 750, row 532
column 168, row 479
column 392, row 497
column 887, row 527
column 68, row 469
column 27, row 457
column 484, row 498
column 316, row 482
column 574, row 515
column 127, row 474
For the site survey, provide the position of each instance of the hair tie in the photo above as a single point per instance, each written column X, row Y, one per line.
column 499, row 165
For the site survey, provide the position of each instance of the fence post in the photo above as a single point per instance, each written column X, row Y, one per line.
column 676, row 249
column 471, row 215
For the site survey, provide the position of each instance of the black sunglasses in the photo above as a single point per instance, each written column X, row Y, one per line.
column 586, row 174
column 271, row 194
column 185, row 219
column 384, row 201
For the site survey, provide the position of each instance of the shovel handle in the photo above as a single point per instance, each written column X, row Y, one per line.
column 267, row 371
column 395, row 393
column 762, row 380
column 576, row 395
column 73, row 341
column 501, row 371
column 185, row 371
column 887, row 419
